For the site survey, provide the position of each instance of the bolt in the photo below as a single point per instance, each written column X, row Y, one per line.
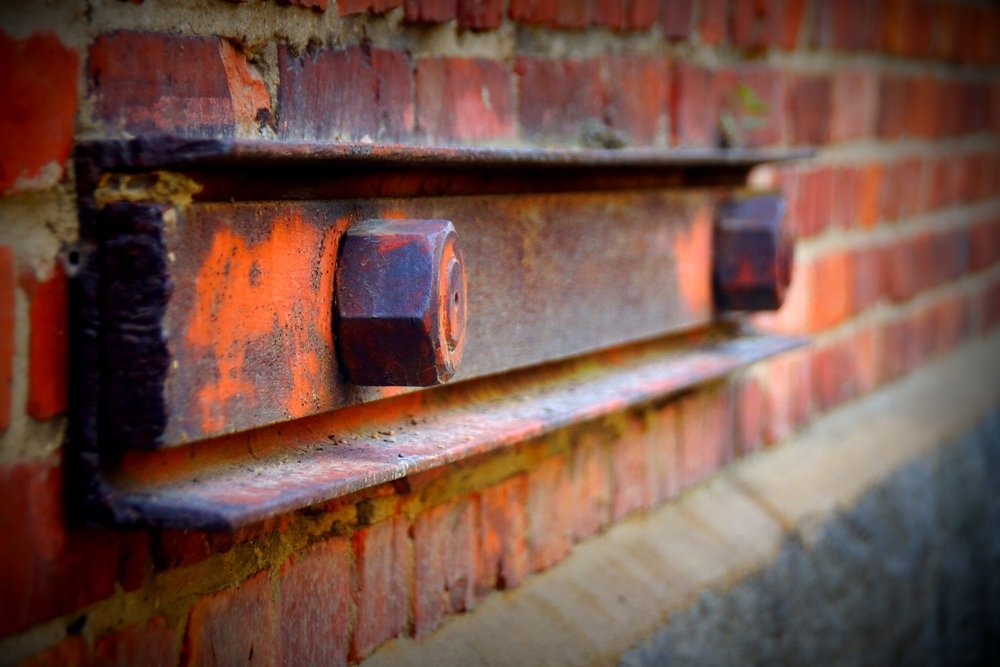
column 401, row 302
column 754, row 250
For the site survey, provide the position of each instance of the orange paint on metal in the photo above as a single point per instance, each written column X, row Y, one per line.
column 693, row 245
column 249, row 291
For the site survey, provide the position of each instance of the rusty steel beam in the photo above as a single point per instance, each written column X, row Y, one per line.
column 238, row 480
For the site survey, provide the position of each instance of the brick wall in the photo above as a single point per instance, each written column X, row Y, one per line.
column 898, row 262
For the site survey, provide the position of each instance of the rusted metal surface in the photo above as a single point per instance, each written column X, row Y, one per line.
column 401, row 303
column 230, row 482
column 753, row 249
column 249, row 325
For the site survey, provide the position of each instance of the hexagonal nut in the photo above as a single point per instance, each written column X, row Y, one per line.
column 754, row 250
column 401, row 298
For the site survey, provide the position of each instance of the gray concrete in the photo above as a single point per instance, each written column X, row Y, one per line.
column 910, row 575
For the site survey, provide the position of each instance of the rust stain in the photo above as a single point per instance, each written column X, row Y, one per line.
column 249, row 291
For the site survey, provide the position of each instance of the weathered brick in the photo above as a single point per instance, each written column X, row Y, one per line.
column 38, row 85
column 345, row 94
column 315, row 5
column 901, row 272
column 549, row 508
column 429, row 11
column 641, row 14
column 234, row 626
column 153, row 82
column 696, row 102
column 480, row 14
column 922, row 108
column 854, row 105
column 609, row 14
column 662, row 438
column 347, row 7
column 572, row 14
column 47, row 569
column 810, row 109
column 591, row 483
column 676, row 17
column 533, row 11
column 866, row 361
column 48, row 353
column 850, row 25
column 890, row 120
column 832, row 280
column 502, row 550
column 314, row 613
column 558, row 96
column 769, row 87
column 867, row 277
column 706, row 427
column 6, row 332
column 813, row 211
column 637, row 96
column 832, row 375
column 714, row 21
column 788, row 400
column 869, row 195
column 464, row 100
column 846, row 191
column 383, row 571
column 630, row 471
column 757, row 24
column 151, row 643
column 445, row 558
column 750, row 419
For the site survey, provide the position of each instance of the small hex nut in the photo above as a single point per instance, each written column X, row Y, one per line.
column 401, row 302
column 754, row 250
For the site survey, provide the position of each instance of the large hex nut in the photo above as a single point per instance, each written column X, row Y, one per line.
column 753, row 254
column 401, row 298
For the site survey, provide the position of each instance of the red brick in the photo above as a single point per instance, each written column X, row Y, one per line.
column 768, row 85
column 152, row 82
column 814, row 201
column 984, row 245
column 591, row 483
column 788, row 400
column 867, row 277
column 558, row 96
column 809, row 109
column 609, row 14
column 251, row 101
column 832, row 294
column 480, row 14
column 6, row 332
column 909, row 174
column 361, row 6
column 949, row 255
column 991, row 308
column 464, row 100
column 630, row 471
column 750, row 417
column 641, row 14
column 832, row 375
column 866, row 370
column 869, row 195
column 549, row 508
column 502, row 549
column 383, row 571
column 662, row 439
column 445, row 558
column 846, row 197
column 706, row 427
column 533, row 11
column 902, row 271
column 637, row 96
column 757, row 24
column 572, row 14
column 314, row 612
column 38, row 85
column 892, row 112
column 151, row 643
column 854, row 105
column 676, row 17
column 713, row 21
column 429, row 11
column 233, row 626
column 696, row 102
column 315, row 5
column 851, row 25
column 48, row 345
column 951, row 324
column 348, row 93
column 922, row 108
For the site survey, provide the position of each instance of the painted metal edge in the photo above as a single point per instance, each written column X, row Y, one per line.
column 165, row 151
column 289, row 467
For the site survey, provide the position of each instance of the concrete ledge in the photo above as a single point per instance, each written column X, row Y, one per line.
column 625, row 595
